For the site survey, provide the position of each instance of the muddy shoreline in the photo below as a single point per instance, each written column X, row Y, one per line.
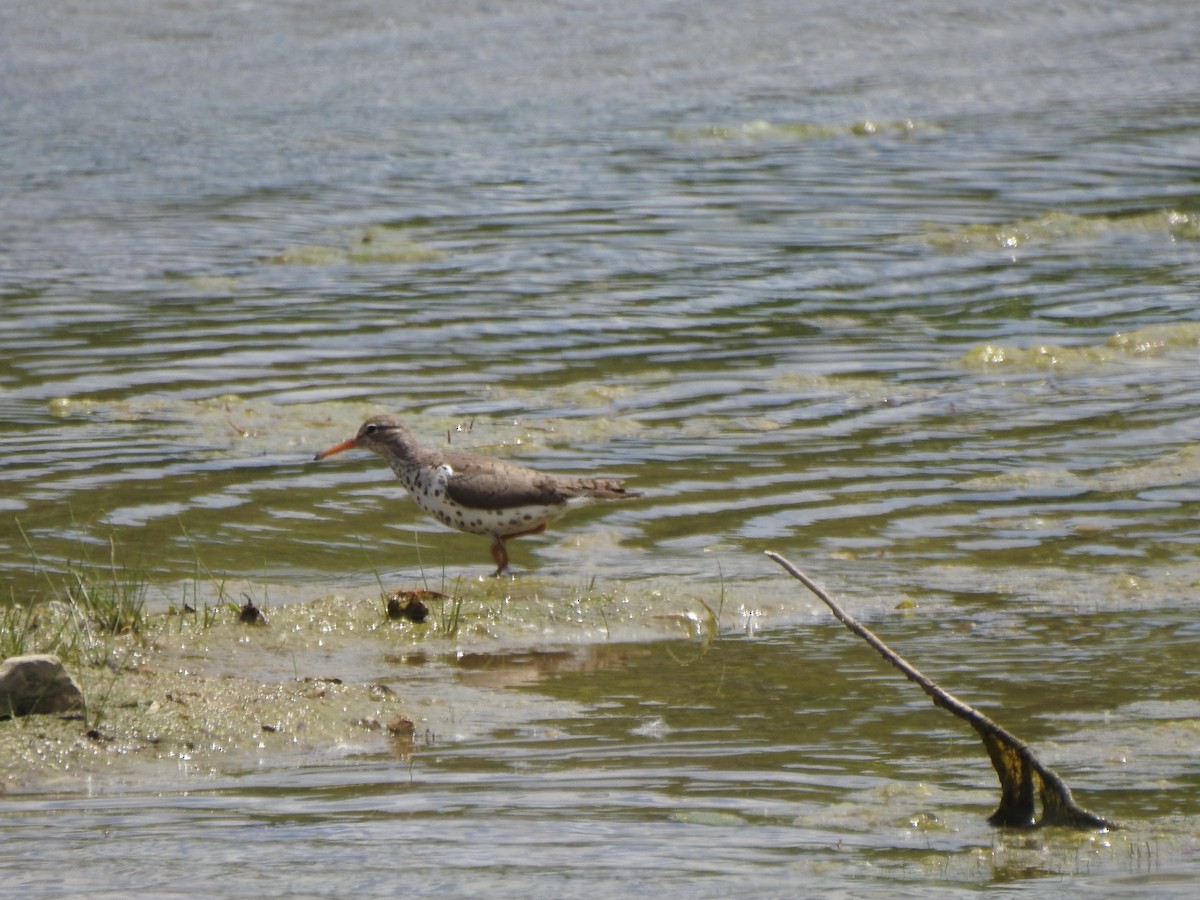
column 205, row 691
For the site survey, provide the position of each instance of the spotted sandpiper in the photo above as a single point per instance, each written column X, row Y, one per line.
column 476, row 493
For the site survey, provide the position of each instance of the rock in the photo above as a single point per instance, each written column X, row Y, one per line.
column 37, row 684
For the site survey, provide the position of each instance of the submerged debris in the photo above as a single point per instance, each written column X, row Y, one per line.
column 251, row 614
column 1022, row 777
column 402, row 726
column 411, row 604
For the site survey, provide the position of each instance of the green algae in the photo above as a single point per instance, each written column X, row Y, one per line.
column 1150, row 342
column 761, row 129
column 1058, row 227
column 374, row 245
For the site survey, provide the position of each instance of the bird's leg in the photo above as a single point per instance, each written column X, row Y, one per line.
column 499, row 555
column 500, row 552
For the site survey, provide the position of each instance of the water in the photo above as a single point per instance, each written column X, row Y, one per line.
column 907, row 295
column 765, row 765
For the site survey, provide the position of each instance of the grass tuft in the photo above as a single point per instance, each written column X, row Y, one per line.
column 84, row 604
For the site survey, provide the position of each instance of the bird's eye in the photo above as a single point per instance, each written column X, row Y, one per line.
column 371, row 429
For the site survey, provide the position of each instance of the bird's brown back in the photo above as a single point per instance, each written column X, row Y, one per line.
column 483, row 482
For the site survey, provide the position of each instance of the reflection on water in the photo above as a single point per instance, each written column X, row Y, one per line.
column 909, row 299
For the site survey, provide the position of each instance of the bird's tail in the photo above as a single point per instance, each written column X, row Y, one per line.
column 605, row 489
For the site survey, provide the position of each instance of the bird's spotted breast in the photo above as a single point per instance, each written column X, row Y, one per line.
column 428, row 488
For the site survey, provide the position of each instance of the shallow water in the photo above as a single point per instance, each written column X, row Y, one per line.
column 787, row 761
column 907, row 296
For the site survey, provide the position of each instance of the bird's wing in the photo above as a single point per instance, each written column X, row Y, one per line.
column 496, row 484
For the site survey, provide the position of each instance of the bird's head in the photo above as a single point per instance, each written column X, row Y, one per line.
column 373, row 434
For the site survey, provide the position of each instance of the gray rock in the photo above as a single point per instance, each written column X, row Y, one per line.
column 37, row 684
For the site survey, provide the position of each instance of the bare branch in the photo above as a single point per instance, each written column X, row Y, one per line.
column 1021, row 776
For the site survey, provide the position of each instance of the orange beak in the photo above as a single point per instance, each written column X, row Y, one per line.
column 337, row 448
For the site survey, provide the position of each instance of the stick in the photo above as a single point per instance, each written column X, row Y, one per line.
column 1021, row 775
